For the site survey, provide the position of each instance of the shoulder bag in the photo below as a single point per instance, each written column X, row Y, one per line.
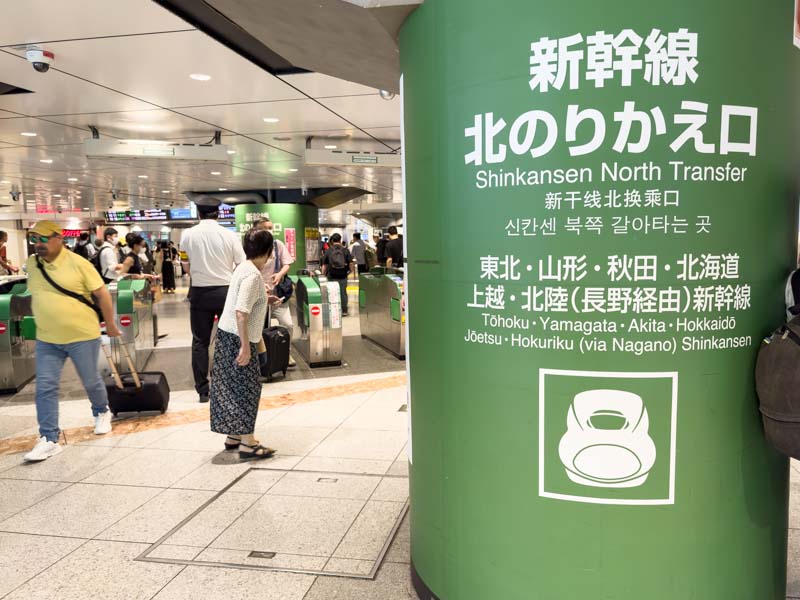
column 284, row 289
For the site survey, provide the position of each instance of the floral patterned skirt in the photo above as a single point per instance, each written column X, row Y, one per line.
column 235, row 391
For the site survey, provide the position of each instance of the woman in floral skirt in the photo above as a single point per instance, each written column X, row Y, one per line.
column 235, row 390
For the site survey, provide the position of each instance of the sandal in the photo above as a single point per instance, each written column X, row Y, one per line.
column 235, row 445
column 256, row 452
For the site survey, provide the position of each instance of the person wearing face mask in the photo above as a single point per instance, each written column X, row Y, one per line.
column 132, row 265
column 109, row 261
column 69, row 298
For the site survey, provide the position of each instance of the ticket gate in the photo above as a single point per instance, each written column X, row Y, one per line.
column 133, row 303
column 7, row 282
column 17, row 336
column 382, row 313
column 318, row 307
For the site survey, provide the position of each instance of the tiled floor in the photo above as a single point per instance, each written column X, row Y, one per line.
column 329, row 502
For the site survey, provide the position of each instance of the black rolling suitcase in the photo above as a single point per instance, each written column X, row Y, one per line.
column 135, row 392
column 278, row 344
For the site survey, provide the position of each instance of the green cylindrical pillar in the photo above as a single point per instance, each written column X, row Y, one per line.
column 296, row 225
column 600, row 216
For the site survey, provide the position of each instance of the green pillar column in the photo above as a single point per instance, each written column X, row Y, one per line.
column 600, row 218
column 296, row 225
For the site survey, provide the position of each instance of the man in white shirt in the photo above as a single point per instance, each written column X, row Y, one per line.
column 109, row 259
column 213, row 253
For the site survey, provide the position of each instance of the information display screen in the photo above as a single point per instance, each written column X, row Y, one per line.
column 226, row 212
column 128, row 216
column 178, row 214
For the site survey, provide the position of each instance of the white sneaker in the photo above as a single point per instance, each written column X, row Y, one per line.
column 102, row 423
column 43, row 450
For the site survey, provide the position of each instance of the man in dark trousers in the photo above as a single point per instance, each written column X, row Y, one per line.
column 213, row 253
column 336, row 265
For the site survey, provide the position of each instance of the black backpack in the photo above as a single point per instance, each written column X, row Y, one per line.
column 337, row 258
column 98, row 265
column 82, row 251
column 778, row 387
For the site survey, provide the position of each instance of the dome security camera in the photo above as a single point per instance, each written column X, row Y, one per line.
column 14, row 195
column 114, row 194
column 40, row 59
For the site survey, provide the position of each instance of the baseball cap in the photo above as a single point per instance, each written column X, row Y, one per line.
column 47, row 228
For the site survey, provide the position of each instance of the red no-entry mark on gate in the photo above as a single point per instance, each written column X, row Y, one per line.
column 315, row 310
column 125, row 321
column 3, row 328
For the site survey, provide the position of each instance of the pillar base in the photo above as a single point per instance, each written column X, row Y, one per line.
column 423, row 591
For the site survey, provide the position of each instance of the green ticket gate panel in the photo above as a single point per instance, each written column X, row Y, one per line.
column 601, row 211
column 17, row 337
column 318, row 309
column 133, row 304
column 382, row 309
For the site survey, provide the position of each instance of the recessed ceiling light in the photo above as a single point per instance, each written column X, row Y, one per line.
column 216, row 173
column 28, row 134
column 271, row 120
column 200, row 76
column 282, row 138
column 46, row 161
column 72, row 179
column 231, row 151
column 56, row 195
column 5, row 182
column 142, row 176
column 293, row 170
column 223, row 189
column 345, row 185
column 165, row 191
column 330, row 147
column 283, row 187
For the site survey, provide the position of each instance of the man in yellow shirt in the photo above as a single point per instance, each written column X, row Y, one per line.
column 65, row 328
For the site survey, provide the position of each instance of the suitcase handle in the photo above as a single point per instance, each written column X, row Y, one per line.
column 115, row 372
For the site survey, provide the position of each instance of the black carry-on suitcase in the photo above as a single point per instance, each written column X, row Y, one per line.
column 135, row 392
column 278, row 343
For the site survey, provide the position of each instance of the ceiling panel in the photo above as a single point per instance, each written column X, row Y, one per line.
column 344, row 139
column 318, row 85
column 157, row 69
column 144, row 124
column 247, row 150
column 295, row 115
column 45, row 20
column 47, row 133
column 31, row 159
column 123, row 86
column 367, row 111
column 55, row 92
column 389, row 135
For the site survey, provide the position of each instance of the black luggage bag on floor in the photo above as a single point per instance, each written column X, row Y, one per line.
column 135, row 392
column 278, row 343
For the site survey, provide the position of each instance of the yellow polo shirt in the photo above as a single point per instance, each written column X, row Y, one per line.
column 59, row 318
